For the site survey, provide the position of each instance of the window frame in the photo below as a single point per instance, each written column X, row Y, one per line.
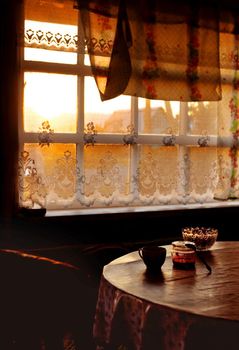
column 80, row 70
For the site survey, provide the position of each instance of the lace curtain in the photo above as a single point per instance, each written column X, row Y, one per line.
column 174, row 51
column 228, row 115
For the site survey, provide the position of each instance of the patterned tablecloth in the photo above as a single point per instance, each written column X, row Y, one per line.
column 171, row 310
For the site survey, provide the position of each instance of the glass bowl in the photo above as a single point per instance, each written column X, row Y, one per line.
column 203, row 237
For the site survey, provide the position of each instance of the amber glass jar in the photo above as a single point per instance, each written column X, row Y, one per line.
column 183, row 257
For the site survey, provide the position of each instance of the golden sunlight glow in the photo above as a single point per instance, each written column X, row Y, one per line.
column 33, row 54
column 47, row 156
column 175, row 105
column 107, row 107
column 51, row 97
column 108, row 116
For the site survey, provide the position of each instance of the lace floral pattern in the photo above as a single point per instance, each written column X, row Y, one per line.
column 156, row 179
column 49, row 40
column 65, row 176
column 107, row 178
column 224, row 175
column 32, row 189
column 154, row 175
column 38, row 38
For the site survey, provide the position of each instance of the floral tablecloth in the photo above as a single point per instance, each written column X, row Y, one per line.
column 138, row 312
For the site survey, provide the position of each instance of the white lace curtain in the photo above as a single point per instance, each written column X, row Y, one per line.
column 189, row 55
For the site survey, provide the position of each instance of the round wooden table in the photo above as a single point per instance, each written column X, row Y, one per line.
column 173, row 309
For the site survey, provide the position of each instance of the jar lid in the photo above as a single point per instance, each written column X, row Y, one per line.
column 182, row 245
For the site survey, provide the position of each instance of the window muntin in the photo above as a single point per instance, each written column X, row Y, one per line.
column 144, row 156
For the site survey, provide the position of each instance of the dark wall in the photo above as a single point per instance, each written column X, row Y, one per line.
column 163, row 226
column 92, row 241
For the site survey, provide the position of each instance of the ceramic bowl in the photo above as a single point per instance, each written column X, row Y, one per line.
column 203, row 237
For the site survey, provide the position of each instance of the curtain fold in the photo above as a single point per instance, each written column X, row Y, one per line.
column 157, row 50
column 228, row 113
column 176, row 51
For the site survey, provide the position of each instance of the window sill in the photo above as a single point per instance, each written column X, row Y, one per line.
column 156, row 208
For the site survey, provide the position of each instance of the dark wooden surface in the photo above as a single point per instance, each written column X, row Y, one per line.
column 194, row 291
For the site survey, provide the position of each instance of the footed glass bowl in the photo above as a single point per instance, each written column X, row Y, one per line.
column 203, row 237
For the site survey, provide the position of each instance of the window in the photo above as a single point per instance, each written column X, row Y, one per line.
column 80, row 152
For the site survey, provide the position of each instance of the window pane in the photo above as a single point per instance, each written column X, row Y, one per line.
column 52, row 98
column 202, row 172
column 228, row 173
column 87, row 60
column 107, row 175
column 157, row 174
column 47, row 175
column 32, row 54
column 202, row 118
column 158, row 117
column 111, row 116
